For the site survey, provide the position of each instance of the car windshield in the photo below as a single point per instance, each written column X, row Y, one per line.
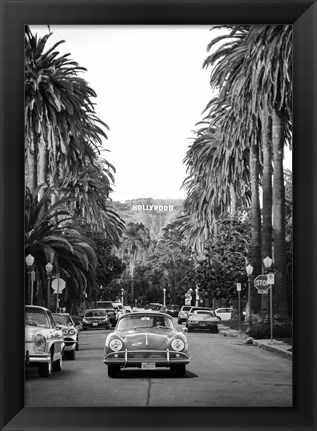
column 95, row 313
column 144, row 321
column 68, row 319
column 60, row 319
column 36, row 317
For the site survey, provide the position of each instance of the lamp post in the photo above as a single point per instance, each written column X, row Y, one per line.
column 197, row 296
column 249, row 270
column 122, row 291
column 49, row 269
column 267, row 265
column 164, row 296
column 29, row 260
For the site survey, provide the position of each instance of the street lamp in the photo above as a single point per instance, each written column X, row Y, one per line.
column 122, row 291
column 49, row 269
column 267, row 265
column 197, row 296
column 164, row 296
column 249, row 270
column 29, row 260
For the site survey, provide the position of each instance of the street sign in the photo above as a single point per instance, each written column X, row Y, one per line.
column 58, row 285
column 238, row 287
column 260, row 282
column 270, row 278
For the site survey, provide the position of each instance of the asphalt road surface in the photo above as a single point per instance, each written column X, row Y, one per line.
column 223, row 372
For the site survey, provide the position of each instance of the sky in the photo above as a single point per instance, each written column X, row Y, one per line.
column 151, row 92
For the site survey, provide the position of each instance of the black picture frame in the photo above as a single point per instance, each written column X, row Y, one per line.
column 14, row 15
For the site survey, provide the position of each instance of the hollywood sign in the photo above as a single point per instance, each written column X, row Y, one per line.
column 152, row 207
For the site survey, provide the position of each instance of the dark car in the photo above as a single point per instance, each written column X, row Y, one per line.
column 96, row 318
column 172, row 310
column 108, row 306
column 146, row 340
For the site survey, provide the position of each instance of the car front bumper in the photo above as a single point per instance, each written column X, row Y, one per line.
column 70, row 344
column 37, row 359
column 134, row 358
column 198, row 325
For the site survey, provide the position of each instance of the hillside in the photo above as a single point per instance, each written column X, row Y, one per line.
column 155, row 214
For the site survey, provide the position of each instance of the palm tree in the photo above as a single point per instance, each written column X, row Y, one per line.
column 51, row 238
column 135, row 242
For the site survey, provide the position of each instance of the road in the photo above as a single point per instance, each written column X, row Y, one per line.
column 223, row 372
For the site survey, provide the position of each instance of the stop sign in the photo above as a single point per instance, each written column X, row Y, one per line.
column 58, row 285
column 260, row 282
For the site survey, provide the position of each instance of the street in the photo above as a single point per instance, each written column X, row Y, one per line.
column 223, row 372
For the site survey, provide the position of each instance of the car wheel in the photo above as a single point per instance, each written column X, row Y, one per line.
column 113, row 370
column 179, row 370
column 70, row 354
column 189, row 329
column 58, row 365
column 45, row 370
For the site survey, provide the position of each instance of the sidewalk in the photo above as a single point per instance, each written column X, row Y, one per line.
column 278, row 347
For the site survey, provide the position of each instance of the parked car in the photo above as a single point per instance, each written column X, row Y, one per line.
column 107, row 305
column 183, row 313
column 44, row 341
column 192, row 309
column 155, row 306
column 172, row 310
column 202, row 319
column 146, row 340
column 70, row 333
column 224, row 313
column 96, row 318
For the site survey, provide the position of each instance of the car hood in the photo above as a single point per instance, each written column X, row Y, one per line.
column 30, row 331
column 147, row 338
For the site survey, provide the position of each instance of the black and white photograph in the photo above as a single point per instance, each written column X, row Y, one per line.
column 158, row 216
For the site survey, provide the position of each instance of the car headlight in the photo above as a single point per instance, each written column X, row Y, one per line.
column 178, row 345
column 39, row 342
column 65, row 331
column 71, row 331
column 85, row 320
column 115, row 345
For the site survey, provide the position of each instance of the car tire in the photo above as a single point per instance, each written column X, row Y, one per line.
column 58, row 365
column 179, row 321
column 113, row 370
column 45, row 370
column 70, row 354
column 180, row 370
column 189, row 329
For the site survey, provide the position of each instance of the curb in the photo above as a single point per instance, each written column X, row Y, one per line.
column 262, row 345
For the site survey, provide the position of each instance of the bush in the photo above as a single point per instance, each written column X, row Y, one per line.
column 263, row 330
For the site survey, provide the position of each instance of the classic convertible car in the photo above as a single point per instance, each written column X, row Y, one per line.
column 44, row 341
column 146, row 340
column 202, row 319
column 70, row 333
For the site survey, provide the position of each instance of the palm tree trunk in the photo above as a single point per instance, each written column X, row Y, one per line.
column 267, row 194
column 280, row 290
column 255, row 243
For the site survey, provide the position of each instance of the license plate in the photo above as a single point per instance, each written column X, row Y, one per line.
column 202, row 323
column 148, row 365
column 95, row 324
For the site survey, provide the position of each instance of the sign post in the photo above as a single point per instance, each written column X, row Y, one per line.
column 239, row 307
column 270, row 280
column 58, row 285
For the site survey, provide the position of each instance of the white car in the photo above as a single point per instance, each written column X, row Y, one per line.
column 70, row 332
column 224, row 313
